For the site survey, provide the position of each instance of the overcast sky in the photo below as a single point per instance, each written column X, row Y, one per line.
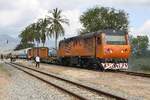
column 15, row 15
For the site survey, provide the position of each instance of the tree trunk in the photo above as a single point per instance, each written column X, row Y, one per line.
column 37, row 52
column 56, row 41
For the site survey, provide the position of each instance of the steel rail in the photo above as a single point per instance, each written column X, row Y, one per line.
column 135, row 73
column 78, row 84
column 63, row 89
column 141, row 74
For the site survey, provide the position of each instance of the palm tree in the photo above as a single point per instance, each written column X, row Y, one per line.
column 55, row 22
column 43, row 39
column 27, row 35
column 43, row 25
column 36, row 28
column 34, row 32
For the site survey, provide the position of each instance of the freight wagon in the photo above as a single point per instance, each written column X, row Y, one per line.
column 48, row 55
column 42, row 52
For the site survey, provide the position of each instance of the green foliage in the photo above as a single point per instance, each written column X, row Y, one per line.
column 99, row 18
column 27, row 35
column 55, row 23
column 43, row 29
column 139, row 44
column 140, row 63
column 23, row 46
column 34, row 32
column 51, row 26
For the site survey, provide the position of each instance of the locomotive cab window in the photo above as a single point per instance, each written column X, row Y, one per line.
column 98, row 40
column 116, row 39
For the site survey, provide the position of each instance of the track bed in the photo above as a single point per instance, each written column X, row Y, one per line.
column 119, row 83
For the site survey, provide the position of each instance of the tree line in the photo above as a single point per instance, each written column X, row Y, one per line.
column 139, row 45
column 48, row 27
column 93, row 19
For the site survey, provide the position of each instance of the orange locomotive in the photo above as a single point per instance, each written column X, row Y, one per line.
column 108, row 49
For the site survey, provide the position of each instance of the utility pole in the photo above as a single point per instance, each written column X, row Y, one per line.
column 139, row 40
column 7, row 41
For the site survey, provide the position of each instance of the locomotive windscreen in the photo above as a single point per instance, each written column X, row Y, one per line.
column 116, row 39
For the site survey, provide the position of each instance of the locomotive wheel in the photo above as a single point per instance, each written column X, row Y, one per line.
column 100, row 67
column 64, row 62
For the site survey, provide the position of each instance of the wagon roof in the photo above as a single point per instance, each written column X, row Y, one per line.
column 38, row 47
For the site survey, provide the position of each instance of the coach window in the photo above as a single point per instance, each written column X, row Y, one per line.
column 98, row 40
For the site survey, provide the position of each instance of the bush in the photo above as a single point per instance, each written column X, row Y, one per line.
column 139, row 63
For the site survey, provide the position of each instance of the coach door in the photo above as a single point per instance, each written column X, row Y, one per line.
column 98, row 45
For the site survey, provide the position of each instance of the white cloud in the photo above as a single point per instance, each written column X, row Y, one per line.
column 130, row 2
column 23, row 12
column 21, row 8
column 73, row 16
column 145, row 27
column 142, row 30
column 9, row 18
column 17, row 14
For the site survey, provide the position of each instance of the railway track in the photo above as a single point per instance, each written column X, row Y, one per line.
column 77, row 90
column 123, row 72
column 141, row 74
column 135, row 73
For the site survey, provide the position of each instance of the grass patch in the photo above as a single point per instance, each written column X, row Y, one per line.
column 3, row 71
column 139, row 64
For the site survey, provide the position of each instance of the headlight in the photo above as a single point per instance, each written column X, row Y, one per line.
column 108, row 50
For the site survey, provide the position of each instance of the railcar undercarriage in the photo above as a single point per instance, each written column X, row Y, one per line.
column 92, row 62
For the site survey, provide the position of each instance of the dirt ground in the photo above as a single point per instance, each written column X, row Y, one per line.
column 131, row 85
column 4, row 81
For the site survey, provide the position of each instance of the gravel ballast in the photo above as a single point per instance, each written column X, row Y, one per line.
column 25, row 87
column 135, row 86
